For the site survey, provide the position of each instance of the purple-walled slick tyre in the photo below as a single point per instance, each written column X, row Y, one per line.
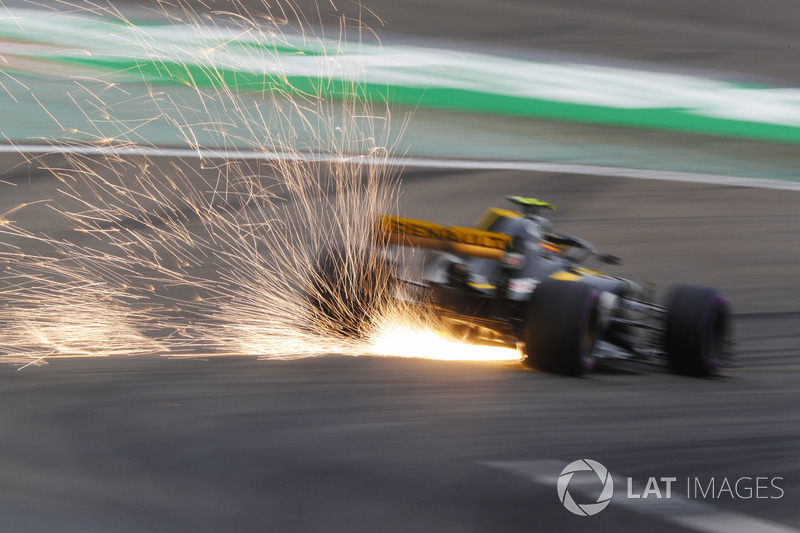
column 561, row 328
column 698, row 329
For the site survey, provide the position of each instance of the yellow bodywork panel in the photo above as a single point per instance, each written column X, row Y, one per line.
column 491, row 216
column 482, row 286
column 565, row 276
column 575, row 275
column 454, row 239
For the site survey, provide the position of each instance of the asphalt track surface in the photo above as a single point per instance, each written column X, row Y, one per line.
column 381, row 444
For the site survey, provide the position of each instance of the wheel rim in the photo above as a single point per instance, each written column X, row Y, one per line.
column 588, row 338
column 716, row 332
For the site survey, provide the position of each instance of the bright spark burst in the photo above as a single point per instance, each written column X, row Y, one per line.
column 398, row 340
column 222, row 258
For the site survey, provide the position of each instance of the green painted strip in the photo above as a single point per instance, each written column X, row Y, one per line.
column 673, row 119
column 220, row 58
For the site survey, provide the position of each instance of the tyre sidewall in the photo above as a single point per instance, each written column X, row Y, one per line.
column 560, row 331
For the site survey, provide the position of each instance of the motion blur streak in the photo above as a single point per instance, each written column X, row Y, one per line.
column 178, row 260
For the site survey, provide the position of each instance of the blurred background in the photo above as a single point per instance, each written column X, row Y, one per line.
column 665, row 132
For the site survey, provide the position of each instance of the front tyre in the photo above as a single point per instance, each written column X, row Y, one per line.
column 561, row 327
column 698, row 329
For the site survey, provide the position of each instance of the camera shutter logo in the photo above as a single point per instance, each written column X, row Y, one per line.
column 587, row 509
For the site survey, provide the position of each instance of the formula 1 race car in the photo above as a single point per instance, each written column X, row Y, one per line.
column 512, row 281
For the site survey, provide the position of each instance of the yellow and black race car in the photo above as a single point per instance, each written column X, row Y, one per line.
column 512, row 281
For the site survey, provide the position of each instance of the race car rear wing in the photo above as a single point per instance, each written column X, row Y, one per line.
column 453, row 239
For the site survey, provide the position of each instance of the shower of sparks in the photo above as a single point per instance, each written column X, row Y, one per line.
column 222, row 257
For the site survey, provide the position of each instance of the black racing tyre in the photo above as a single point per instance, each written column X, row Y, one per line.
column 561, row 327
column 348, row 289
column 697, row 330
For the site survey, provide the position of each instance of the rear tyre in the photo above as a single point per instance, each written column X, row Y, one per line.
column 561, row 328
column 697, row 329
column 348, row 290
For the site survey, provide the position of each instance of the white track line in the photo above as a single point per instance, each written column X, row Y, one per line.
column 456, row 164
column 692, row 514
